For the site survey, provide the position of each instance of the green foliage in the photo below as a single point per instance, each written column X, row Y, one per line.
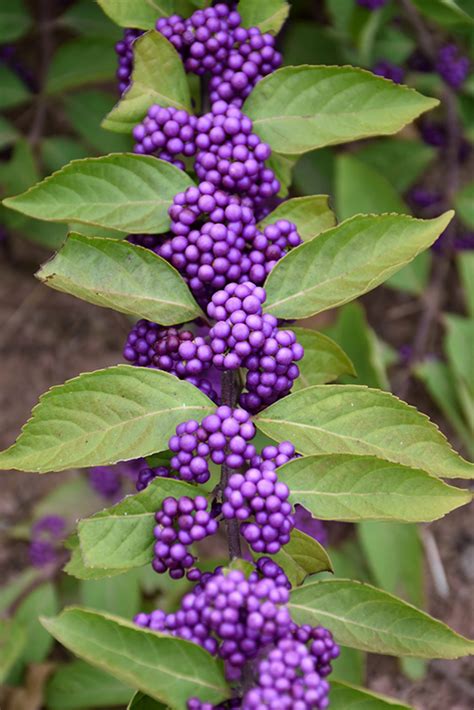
column 298, row 109
column 323, row 361
column 158, row 77
column 15, row 20
column 140, row 14
column 164, row 667
column 12, row 643
column 13, row 91
column 119, row 275
column 357, row 420
column 268, row 15
column 122, row 536
column 42, row 600
column 448, row 13
column 85, row 110
column 400, row 161
column 79, row 62
column 78, row 685
column 302, row 556
column 347, row 261
column 312, row 215
column 465, row 204
column 349, row 488
column 348, row 697
column 143, row 702
column 127, row 192
column 102, row 417
column 363, row 617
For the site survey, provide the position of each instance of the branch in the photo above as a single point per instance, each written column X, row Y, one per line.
column 229, row 396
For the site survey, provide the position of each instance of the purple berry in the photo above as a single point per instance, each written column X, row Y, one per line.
column 124, row 49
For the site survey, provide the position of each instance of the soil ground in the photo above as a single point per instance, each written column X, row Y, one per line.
column 47, row 337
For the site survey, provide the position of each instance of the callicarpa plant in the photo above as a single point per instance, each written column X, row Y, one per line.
column 223, row 396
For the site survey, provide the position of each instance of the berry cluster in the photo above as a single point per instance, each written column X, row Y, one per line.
column 167, row 133
column 124, row 49
column 313, row 527
column 180, row 523
column 222, row 437
column 452, row 66
column 389, row 71
column 372, row 4
column 147, row 475
column 46, row 534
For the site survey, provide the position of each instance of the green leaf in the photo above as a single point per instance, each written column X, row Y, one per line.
column 323, row 361
column 413, row 278
column 73, row 497
column 102, row 417
column 119, row 275
column 302, row 556
column 282, row 166
column 400, row 161
column 394, row 554
column 466, row 269
column 308, row 43
column 12, row 589
column 127, row 192
column 363, row 617
column 122, row 536
column 42, row 600
column 12, row 643
column 60, row 150
column 14, row 91
column 141, row 14
column 143, row 702
column 465, row 204
column 79, row 62
column 393, row 44
column 349, row 666
column 297, row 109
column 15, row 20
column 312, row 215
column 78, row 685
column 158, row 78
column 362, row 189
column 268, row 15
column 342, row 419
column 446, row 12
column 76, row 566
column 349, row 488
column 164, row 667
column 349, row 697
column 459, row 345
column 85, row 110
column 347, row 261
column 119, row 595
column 85, row 17
column 8, row 132
column 354, row 335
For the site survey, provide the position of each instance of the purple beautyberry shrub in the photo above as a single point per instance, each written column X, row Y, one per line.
column 222, row 437
column 124, row 50
column 179, row 523
column 241, row 328
column 46, row 536
column 313, row 527
column 452, row 66
column 147, row 475
column 166, row 133
column 270, row 246
column 106, row 481
column 389, row 71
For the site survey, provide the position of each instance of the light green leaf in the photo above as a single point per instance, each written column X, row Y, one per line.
column 312, row 215
column 164, row 667
column 56, row 151
column 347, row 261
column 394, row 554
column 364, row 617
column 119, row 595
column 102, row 417
column 349, row 697
column 268, row 15
column 323, row 361
column 302, row 556
column 15, row 20
column 349, row 488
column 465, row 204
column 282, row 166
column 79, row 62
column 141, row 14
column 87, row 18
column 127, row 192
column 361, row 188
column 143, row 702
column 465, row 262
column 78, row 685
column 14, row 91
column 350, row 419
column 446, row 12
column 76, row 566
column 42, row 600
column 459, row 345
column 297, row 109
column 119, row 275
column 122, row 536
column 85, row 110
column 354, row 335
column 12, row 643
column 158, row 77
column 400, row 161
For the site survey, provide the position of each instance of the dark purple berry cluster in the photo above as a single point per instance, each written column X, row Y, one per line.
column 372, row 4
column 46, row 536
column 389, row 71
column 166, row 133
column 147, row 475
column 222, row 437
column 179, row 523
column 124, row 49
column 452, row 66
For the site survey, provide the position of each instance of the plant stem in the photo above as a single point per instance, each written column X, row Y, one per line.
column 229, row 397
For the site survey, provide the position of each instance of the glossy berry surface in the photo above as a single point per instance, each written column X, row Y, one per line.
column 124, row 50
